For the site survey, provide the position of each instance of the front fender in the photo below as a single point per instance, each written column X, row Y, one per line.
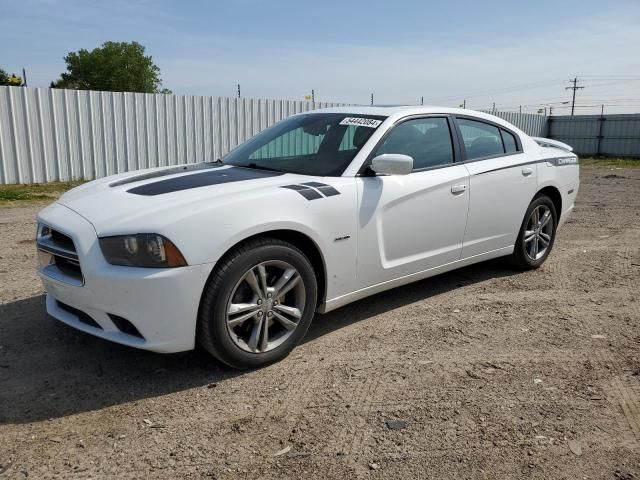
column 228, row 242
column 206, row 234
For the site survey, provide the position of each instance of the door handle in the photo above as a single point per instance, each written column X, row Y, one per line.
column 458, row 189
column 527, row 171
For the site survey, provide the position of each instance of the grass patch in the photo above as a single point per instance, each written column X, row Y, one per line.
column 34, row 193
column 610, row 162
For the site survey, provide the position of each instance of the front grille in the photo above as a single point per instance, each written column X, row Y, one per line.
column 68, row 266
column 60, row 258
column 63, row 240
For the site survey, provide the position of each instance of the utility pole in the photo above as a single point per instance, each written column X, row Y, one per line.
column 600, row 129
column 372, row 99
column 464, row 103
column 238, row 90
column 24, row 77
column 574, row 88
column 421, row 100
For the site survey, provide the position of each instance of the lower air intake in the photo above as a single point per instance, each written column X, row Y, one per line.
column 125, row 326
column 79, row 314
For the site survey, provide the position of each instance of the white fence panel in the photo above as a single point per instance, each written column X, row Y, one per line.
column 59, row 135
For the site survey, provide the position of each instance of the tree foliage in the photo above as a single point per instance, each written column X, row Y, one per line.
column 12, row 80
column 115, row 67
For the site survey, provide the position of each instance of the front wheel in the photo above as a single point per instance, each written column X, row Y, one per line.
column 537, row 234
column 258, row 303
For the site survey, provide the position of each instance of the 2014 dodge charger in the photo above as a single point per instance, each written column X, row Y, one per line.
column 319, row 210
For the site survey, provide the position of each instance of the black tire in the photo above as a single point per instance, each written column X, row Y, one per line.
column 520, row 258
column 212, row 332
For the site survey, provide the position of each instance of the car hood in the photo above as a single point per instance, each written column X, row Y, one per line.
column 150, row 199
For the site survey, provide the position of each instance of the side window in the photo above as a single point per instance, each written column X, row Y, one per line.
column 480, row 139
column 426, row 140
column 509, row 142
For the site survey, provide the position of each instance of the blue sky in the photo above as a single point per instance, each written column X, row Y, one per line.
column 508, row 52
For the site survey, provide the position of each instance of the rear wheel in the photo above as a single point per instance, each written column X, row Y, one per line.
column 258, row 304
column 537, row 234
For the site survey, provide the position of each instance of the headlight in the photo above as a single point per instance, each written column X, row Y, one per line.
column 141, row 250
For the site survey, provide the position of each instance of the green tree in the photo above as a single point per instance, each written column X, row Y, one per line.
column 115, row 67
column 12, row 80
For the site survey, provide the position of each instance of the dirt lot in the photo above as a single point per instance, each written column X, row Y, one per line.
column 490, row 374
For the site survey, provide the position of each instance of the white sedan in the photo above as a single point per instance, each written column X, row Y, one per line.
column 317, row 211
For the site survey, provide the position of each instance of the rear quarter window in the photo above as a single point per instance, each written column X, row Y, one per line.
column 509, row 141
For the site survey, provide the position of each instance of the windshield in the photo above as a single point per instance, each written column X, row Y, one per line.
column 322, row 144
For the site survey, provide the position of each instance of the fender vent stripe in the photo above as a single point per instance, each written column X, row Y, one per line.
column 314, row 184
column 306, row 192
column 313, row 190
column 326, row 190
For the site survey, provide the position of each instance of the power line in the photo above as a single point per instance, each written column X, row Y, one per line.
column 512, row 89
column 635, row 105
column 592, row 82
column 616, row 82
column 611, row 77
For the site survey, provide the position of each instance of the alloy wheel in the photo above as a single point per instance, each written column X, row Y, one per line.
column 265, row 306
column 539, row 232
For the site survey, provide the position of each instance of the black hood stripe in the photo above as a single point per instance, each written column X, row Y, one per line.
column 204, row 179
column 165, row 173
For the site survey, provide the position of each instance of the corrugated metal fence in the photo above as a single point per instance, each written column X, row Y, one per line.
column 58, row 135
column 530, row 123
column 610, row 135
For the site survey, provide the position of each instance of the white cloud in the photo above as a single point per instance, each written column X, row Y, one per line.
column 526, row 70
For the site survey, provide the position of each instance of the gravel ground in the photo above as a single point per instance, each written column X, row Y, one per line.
column 480, row 373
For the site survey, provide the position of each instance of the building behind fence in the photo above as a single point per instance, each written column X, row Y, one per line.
column 58, row 135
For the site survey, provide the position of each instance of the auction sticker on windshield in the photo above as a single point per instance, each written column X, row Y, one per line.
column 361, row 122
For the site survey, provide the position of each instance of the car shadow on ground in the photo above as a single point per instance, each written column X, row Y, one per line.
column 49, row 370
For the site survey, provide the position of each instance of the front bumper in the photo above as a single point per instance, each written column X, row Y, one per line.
column 162, row 304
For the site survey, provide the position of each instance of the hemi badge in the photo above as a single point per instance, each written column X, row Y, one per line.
column 343, row 237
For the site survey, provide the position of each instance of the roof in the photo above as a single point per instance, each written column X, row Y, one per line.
column 396, row 112
column 389, row 110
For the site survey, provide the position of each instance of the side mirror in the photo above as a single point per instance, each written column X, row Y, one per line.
column 392, row 164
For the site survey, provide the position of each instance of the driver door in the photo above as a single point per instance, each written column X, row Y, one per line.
column 412, row 223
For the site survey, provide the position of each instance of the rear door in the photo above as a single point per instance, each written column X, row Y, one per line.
column 415, row 222
column 502, row 183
